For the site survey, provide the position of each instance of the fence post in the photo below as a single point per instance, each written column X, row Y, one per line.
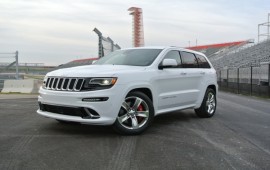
column 227, row 79
column 269, row 80
column 17, row 64
column 251, row 70
column 237, row 80
column 220, row 79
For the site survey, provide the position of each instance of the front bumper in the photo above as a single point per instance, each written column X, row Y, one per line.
column 105, row 112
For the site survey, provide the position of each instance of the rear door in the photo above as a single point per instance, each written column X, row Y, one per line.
column 193, row 78
column 204, row 69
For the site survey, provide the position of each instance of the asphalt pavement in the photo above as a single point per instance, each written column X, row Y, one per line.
column 237, row 137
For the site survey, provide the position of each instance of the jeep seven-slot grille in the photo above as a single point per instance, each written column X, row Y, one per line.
column 64, row 84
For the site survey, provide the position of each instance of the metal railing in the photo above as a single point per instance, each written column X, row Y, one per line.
column 253, row 80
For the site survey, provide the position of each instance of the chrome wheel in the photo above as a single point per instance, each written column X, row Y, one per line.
column 134, row 113
column 211, row 103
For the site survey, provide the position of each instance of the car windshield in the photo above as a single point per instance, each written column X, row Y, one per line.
column 132, row 57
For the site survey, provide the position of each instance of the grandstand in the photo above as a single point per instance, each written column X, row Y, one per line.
column 243, row 57
column 236, row 54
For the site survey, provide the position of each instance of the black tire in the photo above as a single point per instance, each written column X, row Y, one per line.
column 208, row 106
column 137, row 108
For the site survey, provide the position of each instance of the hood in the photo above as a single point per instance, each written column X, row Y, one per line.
column 94, row 71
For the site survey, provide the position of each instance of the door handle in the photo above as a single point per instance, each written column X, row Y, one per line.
column 202, row 73
column 183, row 73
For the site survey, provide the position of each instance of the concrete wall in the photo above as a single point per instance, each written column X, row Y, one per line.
column 21, row 86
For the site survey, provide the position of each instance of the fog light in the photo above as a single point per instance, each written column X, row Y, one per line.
column 95, row 99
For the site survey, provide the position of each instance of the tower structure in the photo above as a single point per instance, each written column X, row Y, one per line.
column 138, row 33
column 267, row 25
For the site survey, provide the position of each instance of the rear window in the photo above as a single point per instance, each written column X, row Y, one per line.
column 188, row 60
column 202, row 61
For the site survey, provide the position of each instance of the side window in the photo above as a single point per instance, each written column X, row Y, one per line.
column 174, row 55
column 202, row 61
column 188, row 60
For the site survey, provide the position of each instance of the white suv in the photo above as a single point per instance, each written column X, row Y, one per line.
column 127, row 88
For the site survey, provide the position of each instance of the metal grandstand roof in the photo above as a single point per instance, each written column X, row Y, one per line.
column 221, row 45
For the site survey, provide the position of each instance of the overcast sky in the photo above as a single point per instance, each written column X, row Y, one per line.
column 58, row 31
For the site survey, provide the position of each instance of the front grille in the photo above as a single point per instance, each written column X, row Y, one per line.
column 82, row 112
column 64, row 84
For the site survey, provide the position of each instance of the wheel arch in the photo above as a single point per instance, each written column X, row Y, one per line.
column 212, row 86
column 144, row 90
column 199, row 101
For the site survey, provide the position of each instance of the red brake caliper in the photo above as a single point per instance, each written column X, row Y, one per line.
column 140, row 108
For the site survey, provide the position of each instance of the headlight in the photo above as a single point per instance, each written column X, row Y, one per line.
column 99, row 83
column 103, row 81
column 44, row 81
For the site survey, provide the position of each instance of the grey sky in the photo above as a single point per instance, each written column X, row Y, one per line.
column 55, row 32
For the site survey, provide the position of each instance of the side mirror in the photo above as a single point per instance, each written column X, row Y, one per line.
column 167, row 63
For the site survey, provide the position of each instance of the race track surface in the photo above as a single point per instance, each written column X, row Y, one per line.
column 237, row 137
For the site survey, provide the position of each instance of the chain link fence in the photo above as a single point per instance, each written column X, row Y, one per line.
column 252, row 80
